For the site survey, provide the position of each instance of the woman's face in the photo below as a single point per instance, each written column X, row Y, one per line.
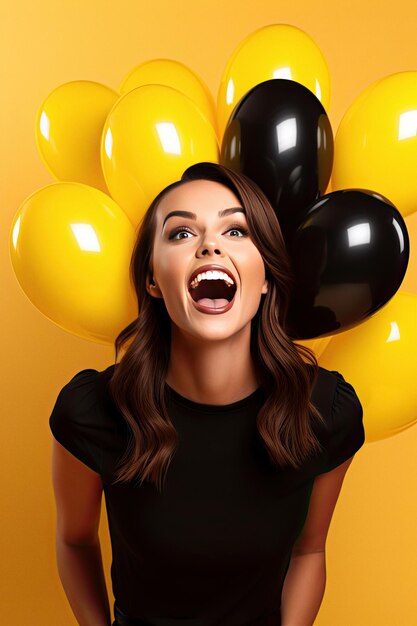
column 183, row 244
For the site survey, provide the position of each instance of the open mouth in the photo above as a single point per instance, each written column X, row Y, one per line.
column 213, row 294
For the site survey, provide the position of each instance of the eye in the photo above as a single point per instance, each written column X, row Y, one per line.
column 181, row 229
column 239, row 227
column 176, row 231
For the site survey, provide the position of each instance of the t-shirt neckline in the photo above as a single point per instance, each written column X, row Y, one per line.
column 213, row 408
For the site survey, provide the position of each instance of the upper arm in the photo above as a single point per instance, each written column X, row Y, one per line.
column 78, row 493
column 323, row 500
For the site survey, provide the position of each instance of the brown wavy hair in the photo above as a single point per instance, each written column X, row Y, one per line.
column 137, row 386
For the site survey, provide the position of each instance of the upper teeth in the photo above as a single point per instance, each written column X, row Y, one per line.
column 212, row 275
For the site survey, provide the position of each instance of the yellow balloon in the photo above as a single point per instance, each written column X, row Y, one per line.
column 376, row 142
column 318, row 344
column 379, row 358
column 69, row 124
column 274, row 51
column 410, row 279
column 150, row 137
column 70, row 248
column 173, row 74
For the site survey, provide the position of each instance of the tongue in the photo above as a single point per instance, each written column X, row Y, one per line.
column 214, row 304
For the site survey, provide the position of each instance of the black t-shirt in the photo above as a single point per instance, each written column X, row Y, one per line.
column 214, row 547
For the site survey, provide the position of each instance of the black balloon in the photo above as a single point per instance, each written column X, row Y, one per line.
column 280, row 136
column 348, row 259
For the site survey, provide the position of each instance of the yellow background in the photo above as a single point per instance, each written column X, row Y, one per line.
column 371, row 549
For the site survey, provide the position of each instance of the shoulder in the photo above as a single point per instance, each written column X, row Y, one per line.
column 342, row 410
column 324, row 389
column 80, row 387
column 76, row 401
column 82, row 420
column 336, row 397
column 84, row 393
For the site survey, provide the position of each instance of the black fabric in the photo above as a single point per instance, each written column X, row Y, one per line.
column 214, row 547
column 124, row 620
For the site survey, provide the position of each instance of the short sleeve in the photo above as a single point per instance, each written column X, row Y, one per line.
column 347, row 434
column 74, row 420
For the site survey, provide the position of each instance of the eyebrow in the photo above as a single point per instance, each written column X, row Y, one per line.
column 193, row 216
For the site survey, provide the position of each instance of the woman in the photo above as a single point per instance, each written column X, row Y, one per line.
column 220, row 450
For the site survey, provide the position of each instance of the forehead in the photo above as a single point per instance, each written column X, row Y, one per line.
column 198, row 194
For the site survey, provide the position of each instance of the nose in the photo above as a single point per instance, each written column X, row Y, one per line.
column 209, row 248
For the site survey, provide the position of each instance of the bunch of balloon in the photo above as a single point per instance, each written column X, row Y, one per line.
column 112, row 152
column 349, row 248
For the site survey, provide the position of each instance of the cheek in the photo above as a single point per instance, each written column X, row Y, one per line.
column 170, row 270
column 251, row 265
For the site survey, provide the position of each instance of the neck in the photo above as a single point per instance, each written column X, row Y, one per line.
column 212, row 372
